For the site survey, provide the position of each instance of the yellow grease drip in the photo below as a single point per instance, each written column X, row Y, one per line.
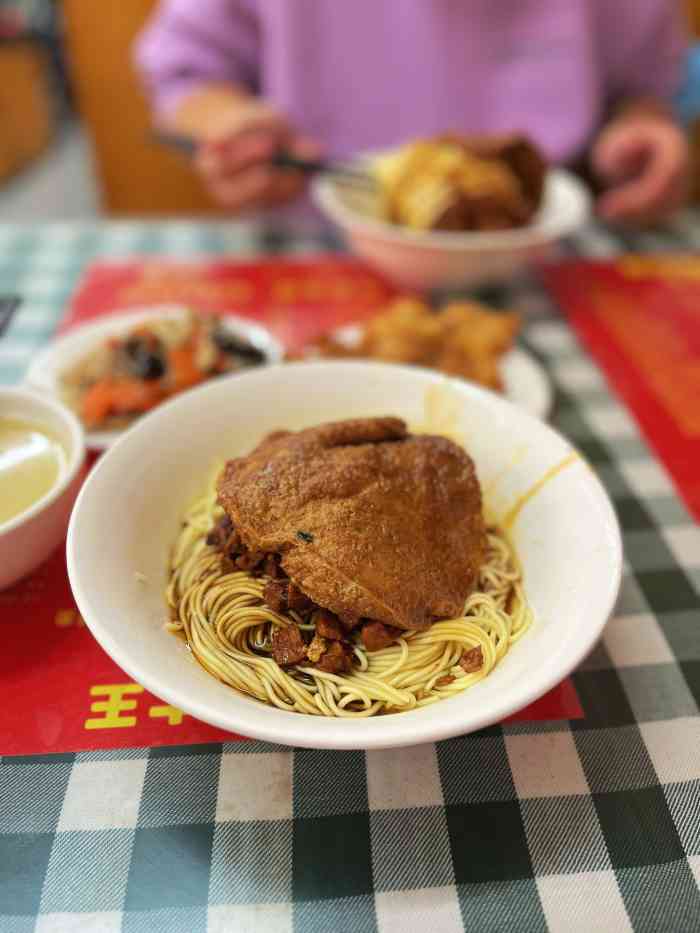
column 511, row 515
column 31, row 462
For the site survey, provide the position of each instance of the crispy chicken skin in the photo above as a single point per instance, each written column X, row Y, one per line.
column 369, row 520
column 521, row 156
column 463, row 339
column 453, row 182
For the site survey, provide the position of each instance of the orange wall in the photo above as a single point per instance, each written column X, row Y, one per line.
column 135, row 176
column 25, row 112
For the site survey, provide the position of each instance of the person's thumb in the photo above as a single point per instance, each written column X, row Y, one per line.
column 617, row 153
column 257, row 120
column 304, row 147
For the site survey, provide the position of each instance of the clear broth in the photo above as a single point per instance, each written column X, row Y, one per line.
column 32, row 460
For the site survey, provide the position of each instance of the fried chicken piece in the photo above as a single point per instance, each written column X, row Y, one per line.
column 444, row 186
column 464, row 339
column 408, row 332
column 368, row 520
column 488, row 196
column 474, row 341
column 522, row 157
column 457, row 183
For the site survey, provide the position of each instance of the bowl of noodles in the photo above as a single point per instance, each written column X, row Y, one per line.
column 344, row 555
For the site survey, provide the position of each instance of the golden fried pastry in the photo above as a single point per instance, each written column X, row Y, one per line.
column 455, row 183
column 333, row 503
column 521, row 156
column 464, row 339
column 474, row 341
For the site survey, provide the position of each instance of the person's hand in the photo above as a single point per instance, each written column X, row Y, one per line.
column 643, row 160
column 234, row 157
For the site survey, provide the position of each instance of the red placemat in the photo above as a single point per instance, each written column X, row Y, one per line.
column 639, row 317
column 61, row 692
column 296, row 299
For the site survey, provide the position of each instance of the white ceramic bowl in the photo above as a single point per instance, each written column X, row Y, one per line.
column 443, row 259
column 45, row 371
column 566, row 535
column 27, row 539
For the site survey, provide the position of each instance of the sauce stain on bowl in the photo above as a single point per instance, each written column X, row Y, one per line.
column 32, row 460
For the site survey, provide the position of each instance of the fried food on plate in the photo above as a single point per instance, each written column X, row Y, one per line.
column 459, row 183
column 464, row 339
column 331, row 503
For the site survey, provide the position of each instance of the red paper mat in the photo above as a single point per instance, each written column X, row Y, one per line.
column 639, row 317
column 61, row 692
column 296, row 299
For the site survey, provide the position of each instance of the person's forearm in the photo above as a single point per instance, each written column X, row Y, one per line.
column 199, row 113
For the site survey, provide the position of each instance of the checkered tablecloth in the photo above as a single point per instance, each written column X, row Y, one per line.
column 592, row 825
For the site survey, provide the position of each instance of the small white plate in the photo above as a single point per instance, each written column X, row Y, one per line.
column 61, row 354
column 525, row 381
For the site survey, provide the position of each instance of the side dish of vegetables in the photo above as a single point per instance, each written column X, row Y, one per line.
column 128, row 375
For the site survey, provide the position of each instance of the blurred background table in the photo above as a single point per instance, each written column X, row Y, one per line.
column 566, row 826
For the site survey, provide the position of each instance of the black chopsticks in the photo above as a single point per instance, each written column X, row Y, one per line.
column 8, row 306
column 282, row 159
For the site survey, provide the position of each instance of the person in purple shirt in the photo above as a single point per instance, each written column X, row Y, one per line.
column 589, row 80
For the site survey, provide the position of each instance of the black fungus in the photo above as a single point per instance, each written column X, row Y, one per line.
column 305, row 536
column 235, row 346
column 144, row 359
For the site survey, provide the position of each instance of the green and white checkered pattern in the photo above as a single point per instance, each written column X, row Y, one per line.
column 592, row 825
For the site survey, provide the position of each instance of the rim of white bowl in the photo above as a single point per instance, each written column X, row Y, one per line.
column 323, row 189
column 76, row 455
column 392, row 731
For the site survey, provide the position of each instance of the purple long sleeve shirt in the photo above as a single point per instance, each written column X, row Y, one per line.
column 363, row 74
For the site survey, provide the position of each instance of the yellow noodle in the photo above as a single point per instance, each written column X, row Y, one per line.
column 229, row 630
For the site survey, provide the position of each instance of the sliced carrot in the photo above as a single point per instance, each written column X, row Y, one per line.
column 183, row 369
column 118, row 397
column 96, row 404
column 135, row 395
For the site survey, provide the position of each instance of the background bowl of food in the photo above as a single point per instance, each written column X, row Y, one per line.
column 178, row 565
column 42, row 452
column 452, row 211
column 112, row 371
column 462, row 338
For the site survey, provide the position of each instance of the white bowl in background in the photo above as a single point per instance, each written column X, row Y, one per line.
column 566, row 535
column 424, row 260
column 44, row 373
column 29, row 538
